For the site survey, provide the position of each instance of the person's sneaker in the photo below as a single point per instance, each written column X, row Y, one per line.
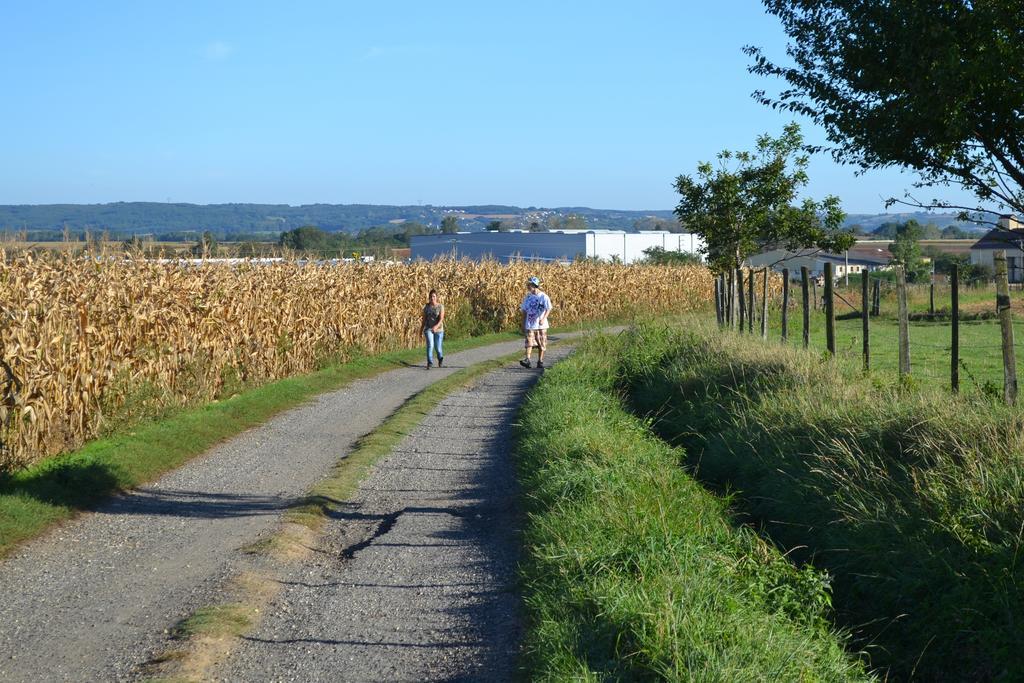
column 440, row 361
column 540, row 365
column 429, row 365
column 525, row 363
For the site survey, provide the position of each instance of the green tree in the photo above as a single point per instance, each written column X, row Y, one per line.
column 657, row 223
column 494, row 226
column 411, row 228
column 449, row 225
column 573, row 221
column 955, row 232
column 306, row 238
column 747, row 203
column 944, row 262
column 537, row 227
column 887, row 230
column 906, row 251
column 661, row 256
column 930, row 231
column 930, row 86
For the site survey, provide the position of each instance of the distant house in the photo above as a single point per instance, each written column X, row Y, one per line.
column 815, row 260
column 1007, row 236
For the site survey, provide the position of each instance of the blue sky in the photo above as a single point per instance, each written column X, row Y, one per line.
column 528, row 103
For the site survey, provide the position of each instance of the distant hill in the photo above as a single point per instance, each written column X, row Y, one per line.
column 181, row 221
column 871, row 222
column 155, row 218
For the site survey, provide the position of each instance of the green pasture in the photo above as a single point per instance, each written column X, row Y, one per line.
column 981, row 366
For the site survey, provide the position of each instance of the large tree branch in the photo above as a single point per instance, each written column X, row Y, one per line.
column 1015, row 170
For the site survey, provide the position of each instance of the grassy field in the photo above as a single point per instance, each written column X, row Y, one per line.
column 912, row 501
column 981, row 368
column 632, row 571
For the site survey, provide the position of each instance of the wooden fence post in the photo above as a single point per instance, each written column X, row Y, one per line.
column 730, row 299
column 814, row 288
column 931, row 297
column 864, row 319
column 954, row 345
column 750, row 300
column 804, row 282
column 904, row 321
column 723, row 299
column 718, row 300
column 830, row 311
column 764, row 305
column 1006, row 327
column 876, row 303
column 785, row 304
column 741, row 297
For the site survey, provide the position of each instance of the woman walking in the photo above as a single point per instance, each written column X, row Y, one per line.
column 433, row 329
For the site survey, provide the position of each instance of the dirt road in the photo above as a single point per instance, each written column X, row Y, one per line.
column 413, row 580
column 91, row 600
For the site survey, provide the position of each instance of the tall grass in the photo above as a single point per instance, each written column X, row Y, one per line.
column 912, row 500
column 633, row 571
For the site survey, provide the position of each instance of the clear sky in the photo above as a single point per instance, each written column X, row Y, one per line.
column 527, row 103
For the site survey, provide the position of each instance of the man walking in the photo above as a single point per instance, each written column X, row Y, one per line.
column 536, row 306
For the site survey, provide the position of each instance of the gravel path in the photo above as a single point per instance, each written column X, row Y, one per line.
column 92, row 600
column 413, row 580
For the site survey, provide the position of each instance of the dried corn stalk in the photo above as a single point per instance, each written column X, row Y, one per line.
column 89, row 341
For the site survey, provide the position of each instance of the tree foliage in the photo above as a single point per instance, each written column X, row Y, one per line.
column 657, row 223
column 906, row 251
column 748, row 202
column 309, row 239
column 306, row 238
column 943, row 262
column 931, row 86
column 449, row 225
column 662, row 256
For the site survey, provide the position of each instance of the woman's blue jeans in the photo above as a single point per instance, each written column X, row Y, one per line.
column 434, row 341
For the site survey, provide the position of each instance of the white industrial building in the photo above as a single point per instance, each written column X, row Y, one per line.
column 559, row 245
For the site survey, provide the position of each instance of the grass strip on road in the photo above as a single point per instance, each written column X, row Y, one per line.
column 34, row 499
column 632, row 571
column 352, row 469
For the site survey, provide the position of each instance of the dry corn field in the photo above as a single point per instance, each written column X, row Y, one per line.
column 88, row 344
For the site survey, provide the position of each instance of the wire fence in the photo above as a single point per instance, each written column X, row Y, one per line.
column 960, row 331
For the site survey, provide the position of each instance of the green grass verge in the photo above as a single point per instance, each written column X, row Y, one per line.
column 913, row 501
column 33, row 499
column 632, row 571
column 217, row 621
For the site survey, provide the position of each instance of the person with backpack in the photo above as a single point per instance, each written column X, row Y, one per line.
column 433, row 329
column 535, row 307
